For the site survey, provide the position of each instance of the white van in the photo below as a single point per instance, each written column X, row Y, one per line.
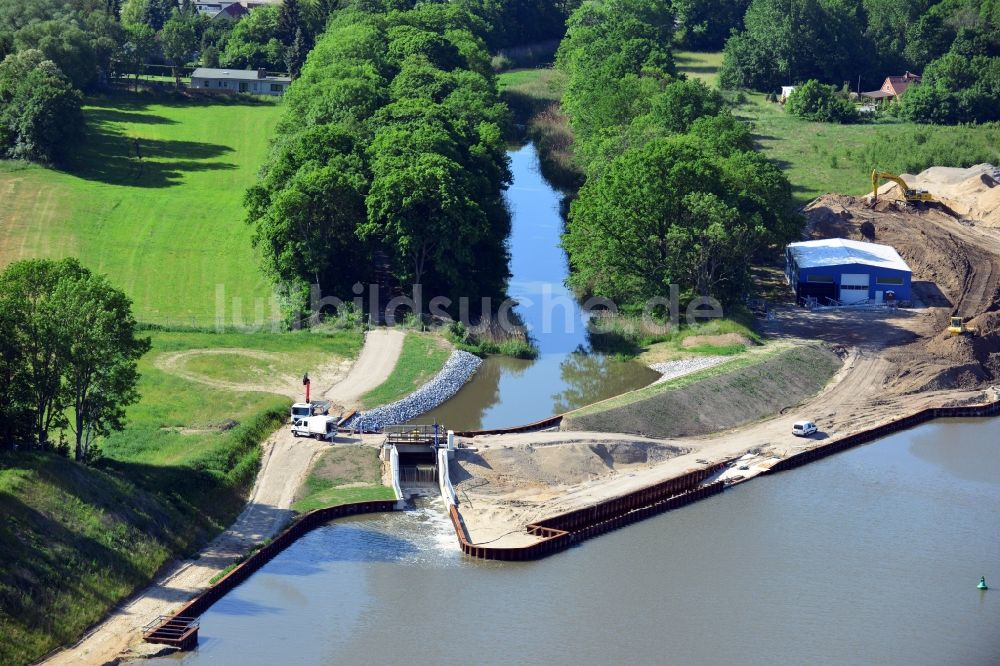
column 320, row 427
column 803, row 428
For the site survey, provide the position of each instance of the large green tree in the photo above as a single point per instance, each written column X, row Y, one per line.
column 788, row 41
column 706, row 24
column 73, row 351
column 40, row 114
column 254, row 42
column 65, row 44
column 97, row 358
column 673, row 212
column 179, row 39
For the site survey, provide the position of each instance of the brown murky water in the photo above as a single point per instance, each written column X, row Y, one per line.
column 568, row 373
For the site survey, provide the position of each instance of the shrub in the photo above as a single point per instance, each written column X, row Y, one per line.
column 815, row 101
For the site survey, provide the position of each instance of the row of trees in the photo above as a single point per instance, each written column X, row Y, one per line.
column 68, row 353
column 391, row 143
column 92, row 41
column 782, row 42
column 518, row 22
column 674, row 192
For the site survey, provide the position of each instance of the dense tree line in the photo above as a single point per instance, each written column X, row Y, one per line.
column 391, row 142
column 704, row 25
column 674, row 192
column 516, row 22
column 69, row 352
column 954, row 42
column 93, row 41
column 957, row 88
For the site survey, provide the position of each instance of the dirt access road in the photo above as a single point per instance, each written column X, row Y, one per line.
column 285, row 462
column 898, row 363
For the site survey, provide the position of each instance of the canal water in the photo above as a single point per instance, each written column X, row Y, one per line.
column 868, row 557
column 568, row 373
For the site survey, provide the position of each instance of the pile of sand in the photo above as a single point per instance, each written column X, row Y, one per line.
column 972, row 194
column 550, row 464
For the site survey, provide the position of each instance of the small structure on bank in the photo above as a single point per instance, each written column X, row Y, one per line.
column 846, row 271
column 892, row 88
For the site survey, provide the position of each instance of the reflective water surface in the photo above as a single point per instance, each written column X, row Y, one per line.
column 567, row 374
column 868, row 557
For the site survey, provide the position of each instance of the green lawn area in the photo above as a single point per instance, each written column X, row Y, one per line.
column 422, row 357
column 543, row 82
column 703, row 66
column 343, row 474
column 168, row 230
column 184, row 422
column 819, row 158
column 259, row 358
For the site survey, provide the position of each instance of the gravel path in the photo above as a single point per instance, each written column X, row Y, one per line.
column 673, row 369
column 457, row 370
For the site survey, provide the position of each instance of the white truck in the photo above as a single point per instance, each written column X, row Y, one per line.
column 319, row 427
column 301, row 410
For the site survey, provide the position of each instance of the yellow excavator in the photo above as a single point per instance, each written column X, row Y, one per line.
column 957, row 327
column 908, row 193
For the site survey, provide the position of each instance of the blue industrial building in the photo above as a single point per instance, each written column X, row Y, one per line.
column 846, row 271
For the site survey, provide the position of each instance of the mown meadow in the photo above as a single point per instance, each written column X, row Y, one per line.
column 152, row 197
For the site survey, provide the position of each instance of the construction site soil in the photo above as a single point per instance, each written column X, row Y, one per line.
column 953, row 249
column 897, row 362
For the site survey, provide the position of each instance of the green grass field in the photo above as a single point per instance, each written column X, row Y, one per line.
column 184, row 422
column 826, row 157
column 343, row 474
column 421, row 358
column 697, row 65
column 168, row 230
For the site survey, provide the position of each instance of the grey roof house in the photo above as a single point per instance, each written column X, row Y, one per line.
column 253, row 82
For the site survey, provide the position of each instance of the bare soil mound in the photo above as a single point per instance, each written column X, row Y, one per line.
column 551, row 464
column 724, row 340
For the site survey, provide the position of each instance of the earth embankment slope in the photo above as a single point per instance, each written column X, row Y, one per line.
column 720, row 402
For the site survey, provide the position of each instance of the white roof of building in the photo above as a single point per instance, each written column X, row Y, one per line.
column 237, row 74
column 840, row 251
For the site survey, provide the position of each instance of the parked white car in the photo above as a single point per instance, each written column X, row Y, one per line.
column 803, row 428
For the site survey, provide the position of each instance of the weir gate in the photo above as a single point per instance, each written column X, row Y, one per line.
column 417, row 447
